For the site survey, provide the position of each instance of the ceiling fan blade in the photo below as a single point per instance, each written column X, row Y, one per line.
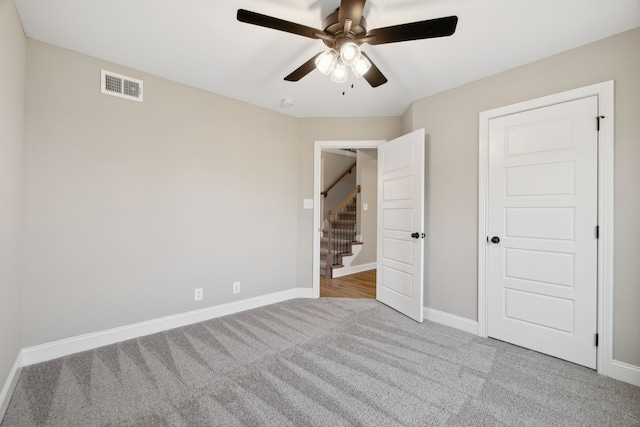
column 303, row 70
column 440, row 27
column 351, row 9
column 374, row 76
column 278, row 24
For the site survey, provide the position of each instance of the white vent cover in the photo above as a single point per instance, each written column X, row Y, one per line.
column 121, row 86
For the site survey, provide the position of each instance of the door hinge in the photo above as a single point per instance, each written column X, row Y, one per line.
column 598, row 121
column 596, row 340
column 597, row 231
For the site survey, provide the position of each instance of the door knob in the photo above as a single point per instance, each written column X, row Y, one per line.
column 495, row 239
column 416, row 235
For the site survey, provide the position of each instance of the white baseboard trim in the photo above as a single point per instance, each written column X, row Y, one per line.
column 451, row 320
column 10, row 385
column 625, row 372
column 64, row 347
column 364, row 267
column 617, row 370
column 353, row 269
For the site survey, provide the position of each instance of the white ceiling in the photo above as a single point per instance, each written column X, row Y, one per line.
column 200, row 43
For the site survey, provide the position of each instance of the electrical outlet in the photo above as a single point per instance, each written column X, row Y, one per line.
column 236, row 287
column 198, row 294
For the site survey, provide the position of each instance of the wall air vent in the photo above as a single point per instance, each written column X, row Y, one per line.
column 121, row 86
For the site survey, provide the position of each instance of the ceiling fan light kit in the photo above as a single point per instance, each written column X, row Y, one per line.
column 340, row 73
column 336, row 65
column 361, row 67
column 327, row 61
column 345, row 30
column 350, row 53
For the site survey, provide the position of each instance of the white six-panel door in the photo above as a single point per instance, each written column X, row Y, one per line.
column 542, row 206
column 400, row 259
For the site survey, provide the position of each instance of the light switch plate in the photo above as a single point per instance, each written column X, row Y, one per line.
column 365, row 206
column 307, row 203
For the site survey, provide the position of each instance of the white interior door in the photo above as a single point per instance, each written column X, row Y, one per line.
column 542, row 207
column 400, row 259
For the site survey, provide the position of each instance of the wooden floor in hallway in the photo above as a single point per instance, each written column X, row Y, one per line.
column 359, row 285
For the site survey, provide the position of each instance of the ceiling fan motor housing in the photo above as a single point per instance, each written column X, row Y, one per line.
column 335, row 29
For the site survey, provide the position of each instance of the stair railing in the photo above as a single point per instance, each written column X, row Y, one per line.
column 346, row 172
column 339, row 234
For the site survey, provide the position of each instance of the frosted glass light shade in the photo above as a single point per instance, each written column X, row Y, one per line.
column 326, row 62
column 361, row 67
column 340, row 73
column 350, row 53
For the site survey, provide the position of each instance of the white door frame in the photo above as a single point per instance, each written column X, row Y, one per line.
column 317, row 156
column 605, row 93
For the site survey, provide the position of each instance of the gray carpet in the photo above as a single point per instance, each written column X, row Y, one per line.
column 325, row 362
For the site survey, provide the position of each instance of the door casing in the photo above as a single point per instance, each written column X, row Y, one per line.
column 605, row 93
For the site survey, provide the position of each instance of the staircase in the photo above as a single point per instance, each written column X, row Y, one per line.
column 338, row 243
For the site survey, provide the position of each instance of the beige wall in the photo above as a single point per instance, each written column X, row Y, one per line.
column 407, row 120
column 131, row 206
column 367, row 174
column 334, row 166
column 12, row 68
column 328, row 129
column 451, row 122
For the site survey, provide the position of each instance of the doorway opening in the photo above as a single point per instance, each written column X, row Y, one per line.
column 399, row 220
column 348, row 222
column 361, row 283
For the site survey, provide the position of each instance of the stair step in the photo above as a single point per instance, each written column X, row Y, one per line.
column 342, row 238
column 351, row 225
column 343, row 228
column 325, row 252
column 339, row 235
column 323, row 265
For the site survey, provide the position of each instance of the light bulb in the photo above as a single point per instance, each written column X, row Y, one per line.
column 361, row 67
column 350, row 53
column 326, row 62
column 340, row 73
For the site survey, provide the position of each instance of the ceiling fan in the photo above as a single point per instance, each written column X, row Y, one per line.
column 344, row 31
